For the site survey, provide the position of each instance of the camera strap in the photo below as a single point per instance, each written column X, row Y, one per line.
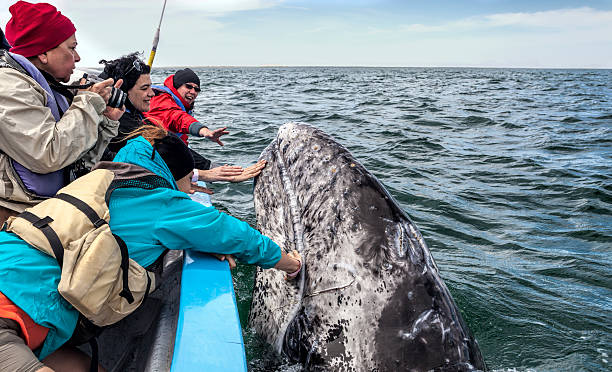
column 59, row 88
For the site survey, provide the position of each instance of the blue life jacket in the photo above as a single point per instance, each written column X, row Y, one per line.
column 175, row 98
column 165, row 89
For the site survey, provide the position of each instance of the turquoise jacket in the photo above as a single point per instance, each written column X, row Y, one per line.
column 149, row 221
column 29, row 278
column 179, row 223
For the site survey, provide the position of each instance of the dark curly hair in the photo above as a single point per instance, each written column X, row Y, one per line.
column 129, row 68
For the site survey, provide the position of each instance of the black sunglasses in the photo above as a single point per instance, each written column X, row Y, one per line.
column 192, row 86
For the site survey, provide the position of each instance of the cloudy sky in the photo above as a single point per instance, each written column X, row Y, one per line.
column 479, row 33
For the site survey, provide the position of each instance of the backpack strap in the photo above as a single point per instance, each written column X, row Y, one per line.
column 97, row 222
column 83, row 207
column 146, row 182
column 125, row 292
column 43, row 225
column 93, row 365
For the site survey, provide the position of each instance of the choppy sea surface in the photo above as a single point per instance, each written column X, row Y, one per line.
column 507, row 173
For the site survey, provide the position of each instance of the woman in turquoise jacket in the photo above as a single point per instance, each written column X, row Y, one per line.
column 29, row 278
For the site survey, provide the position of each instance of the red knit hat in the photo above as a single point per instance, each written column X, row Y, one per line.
column 36, row 28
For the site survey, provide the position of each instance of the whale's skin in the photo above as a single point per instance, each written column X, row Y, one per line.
column 390, row 310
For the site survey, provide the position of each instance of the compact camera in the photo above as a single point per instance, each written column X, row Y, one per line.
column 117, row 98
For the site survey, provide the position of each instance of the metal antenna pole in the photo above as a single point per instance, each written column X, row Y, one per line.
column 156, row 38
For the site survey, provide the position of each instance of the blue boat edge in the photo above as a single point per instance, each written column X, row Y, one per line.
column 208, row 332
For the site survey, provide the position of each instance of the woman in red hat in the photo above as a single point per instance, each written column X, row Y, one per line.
column 48, row 134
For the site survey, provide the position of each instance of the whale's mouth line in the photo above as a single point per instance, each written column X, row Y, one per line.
column 298, row 241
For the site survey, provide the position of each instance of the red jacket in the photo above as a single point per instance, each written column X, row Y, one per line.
column 165, row 111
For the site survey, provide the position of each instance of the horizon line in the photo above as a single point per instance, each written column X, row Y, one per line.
column 374, row 66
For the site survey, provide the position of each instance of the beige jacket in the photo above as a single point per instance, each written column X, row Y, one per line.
column 30, row 135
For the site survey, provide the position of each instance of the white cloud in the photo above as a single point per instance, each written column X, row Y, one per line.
column 206, row 7
column 557, row 19
column 420, row 28
column 580, row 37
column 225, row 6
column 561, row 19
column 192, row 34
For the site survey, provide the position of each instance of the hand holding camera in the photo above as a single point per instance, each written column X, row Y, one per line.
column 115, row 106
column 112, row 95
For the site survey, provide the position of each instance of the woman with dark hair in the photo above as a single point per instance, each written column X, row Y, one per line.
column 137, row 86
column 136, row 77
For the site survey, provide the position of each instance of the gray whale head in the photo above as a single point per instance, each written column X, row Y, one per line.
column 370, row 297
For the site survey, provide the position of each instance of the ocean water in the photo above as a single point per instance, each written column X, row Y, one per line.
column 507, row 173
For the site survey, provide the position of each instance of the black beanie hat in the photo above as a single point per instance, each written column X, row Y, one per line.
column 185, row 75
column 176, row 155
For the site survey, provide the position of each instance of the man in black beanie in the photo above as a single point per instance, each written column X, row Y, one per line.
column 185, row 75
column 173, row 104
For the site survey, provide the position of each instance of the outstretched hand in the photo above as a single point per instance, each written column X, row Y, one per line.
column 231, row 173
column 290, row 263
column 197, row 188
column 213, row 135
column 250, row 172
column 295, row 255
column 222, row 173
